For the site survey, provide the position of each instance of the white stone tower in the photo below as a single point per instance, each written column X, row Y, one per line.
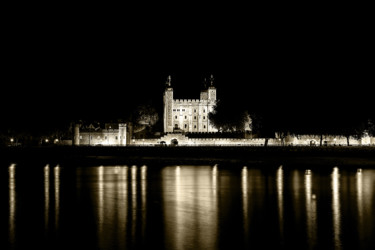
column 168, row 105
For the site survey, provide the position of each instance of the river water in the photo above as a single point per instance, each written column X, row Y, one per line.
column 52, row 206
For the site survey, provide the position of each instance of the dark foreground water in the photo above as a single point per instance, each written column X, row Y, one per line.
column 186, row 207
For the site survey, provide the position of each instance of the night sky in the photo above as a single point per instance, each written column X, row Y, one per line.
column 88, row 65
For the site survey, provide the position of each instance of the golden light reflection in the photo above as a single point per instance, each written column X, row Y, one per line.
column 214, row 179
column 245, row 202
column 46, row 196
column 12, row 203
column 112, row 195
column 359, row 184
column 280, row 198
column 191, row 206
column 311, row 212
column 101, row 198
column 336, row 207
column 134, row 199
column 143, row 197
column 57, row 194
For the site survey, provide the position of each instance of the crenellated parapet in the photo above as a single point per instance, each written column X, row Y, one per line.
column 186, row 101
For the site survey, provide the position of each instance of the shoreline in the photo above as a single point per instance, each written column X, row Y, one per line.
column 293, row 156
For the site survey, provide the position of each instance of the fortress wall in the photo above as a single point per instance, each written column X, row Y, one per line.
column 105, row 137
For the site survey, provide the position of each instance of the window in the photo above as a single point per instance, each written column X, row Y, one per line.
column 183, row 109
column 176, row 126
column 195, row 126
column 80, row 137
column 195, row 117
column 116, row 137
column 175, row 117
column 204, row 118
column 185, row 116
column 185, row 125
column 178, row 109
column 204, row 111
column 105, row 137
column 204, row 126
column 174, row 109
column 195, row 111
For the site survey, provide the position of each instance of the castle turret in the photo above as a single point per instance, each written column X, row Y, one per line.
column 211, row 90
column 76, row 134
column 122, row 133
column 168, row 105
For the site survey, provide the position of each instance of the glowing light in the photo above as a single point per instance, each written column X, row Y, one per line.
column 46, row 140
column 336, row 208
column 311, row 211
column 12, row 203
column 11, row 140
column 57, row 194
column 144, row 197
column 280, row 198
column 359, row 182
column 190, row 204
column 134, row 199
column 101, row 198
column 245, row 201
column 46, row 196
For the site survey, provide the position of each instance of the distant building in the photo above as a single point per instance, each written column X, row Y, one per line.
column 189, row 115
column 112, row 134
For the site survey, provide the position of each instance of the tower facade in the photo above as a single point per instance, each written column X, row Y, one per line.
column 188, row 115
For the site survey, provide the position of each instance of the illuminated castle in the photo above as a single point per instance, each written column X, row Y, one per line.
column 188, row 115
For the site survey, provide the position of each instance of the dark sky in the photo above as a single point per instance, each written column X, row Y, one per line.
column 67, row 65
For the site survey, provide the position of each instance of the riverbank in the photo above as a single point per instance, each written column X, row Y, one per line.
column 343, row 156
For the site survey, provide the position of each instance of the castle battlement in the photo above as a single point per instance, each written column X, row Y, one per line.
column 181, row 101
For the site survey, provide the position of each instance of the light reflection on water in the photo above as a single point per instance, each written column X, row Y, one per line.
column 12, row 203
column 336, row 207
column 190, row 206
column 193, row 207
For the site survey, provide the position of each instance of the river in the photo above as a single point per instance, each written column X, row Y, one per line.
column 53, row 206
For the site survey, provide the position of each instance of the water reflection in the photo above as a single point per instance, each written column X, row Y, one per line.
column 359, row 185
column 12, row 203
column 190, row 206
column 122, row 205
column 280, row 199
column 336, row 209
column 245, row 203
column 57, row 195
column 311, row 212
column 46, row 196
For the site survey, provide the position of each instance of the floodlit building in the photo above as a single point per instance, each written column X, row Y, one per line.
column 188, row 115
